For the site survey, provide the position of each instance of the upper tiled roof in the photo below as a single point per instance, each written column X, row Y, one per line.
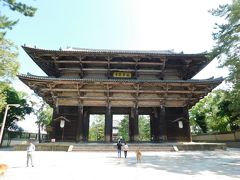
column 51, row 61
column 108, row 51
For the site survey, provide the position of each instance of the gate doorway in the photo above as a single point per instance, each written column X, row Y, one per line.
column 96, row 128
column 144, row 128
column 120, row 128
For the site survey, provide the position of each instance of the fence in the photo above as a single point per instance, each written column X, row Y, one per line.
column 234, row 136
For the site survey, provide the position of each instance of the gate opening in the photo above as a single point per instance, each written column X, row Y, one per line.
column 120, row 128
column 96, row 128
column 144, row 128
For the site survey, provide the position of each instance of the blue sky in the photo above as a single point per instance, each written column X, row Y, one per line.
column 182, row 25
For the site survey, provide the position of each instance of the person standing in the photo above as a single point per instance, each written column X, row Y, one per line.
column 125, row 149
column 30, row 150
column 119, row 148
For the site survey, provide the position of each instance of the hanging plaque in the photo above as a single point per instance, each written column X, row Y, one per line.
column 122, row 74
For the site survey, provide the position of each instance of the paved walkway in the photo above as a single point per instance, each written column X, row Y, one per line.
column 105, row 166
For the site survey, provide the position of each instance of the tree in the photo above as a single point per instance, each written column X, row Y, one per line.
column 14, row 113
column 229, row 110
column 43, row 112
column 204, row 115
column 217, row 112
column 13, row 131
column 9, row 65
column 96, row 130
column 144, row 128
column 5, row 22
column 44, row 116
column 143, row 125
column 227, row 50
column 227, row 40
column 123, row 128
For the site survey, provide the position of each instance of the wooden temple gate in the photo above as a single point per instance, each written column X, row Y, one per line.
column 81, row 82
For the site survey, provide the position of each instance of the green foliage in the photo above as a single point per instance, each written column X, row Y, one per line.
column 96, row 130
column 221, row 109
column 3, row 97
column 5, row 22
column 227, row 40
column 123, row 129
column 8, row 63
column 14, row 113
column 217, row 112
column 144, row 128
column 45, row 116
column 42, row 110
column 200, row 120
column 229, row 109
column 143, row 124
column 9, row 67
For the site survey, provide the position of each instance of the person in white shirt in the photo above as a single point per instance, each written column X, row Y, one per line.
column 125, row 149
column 30, row 150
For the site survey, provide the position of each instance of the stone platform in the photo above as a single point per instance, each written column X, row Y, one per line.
column 180, row 146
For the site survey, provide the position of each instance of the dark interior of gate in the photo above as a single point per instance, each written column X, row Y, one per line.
column 164, row 123
column 82, row 82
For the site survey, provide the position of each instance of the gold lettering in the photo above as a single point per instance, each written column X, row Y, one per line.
column 122, row 74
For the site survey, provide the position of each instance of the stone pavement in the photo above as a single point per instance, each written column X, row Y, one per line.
column 105, row 166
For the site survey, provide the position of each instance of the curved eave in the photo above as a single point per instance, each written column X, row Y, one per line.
column 23, row 77
column 111, row 52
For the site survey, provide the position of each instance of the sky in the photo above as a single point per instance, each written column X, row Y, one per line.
column 183, row 26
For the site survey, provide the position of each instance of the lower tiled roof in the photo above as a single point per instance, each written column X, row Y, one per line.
column 47, row 78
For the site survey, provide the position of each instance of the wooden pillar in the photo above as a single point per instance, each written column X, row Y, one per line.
column 152, row 127
column 159, row 124
column 187, row 124
column 162, row 125
column 133, row 125
column 85, row 124
column 155, row 125
column 54, row 116
column 108, row 125
column 80, row 127
column 54, row 124
column 136, row 128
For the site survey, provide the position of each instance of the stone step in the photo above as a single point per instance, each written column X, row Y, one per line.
column 68, row 146
column 76, row 148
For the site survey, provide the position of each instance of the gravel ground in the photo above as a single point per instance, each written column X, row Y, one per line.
column 105, row 165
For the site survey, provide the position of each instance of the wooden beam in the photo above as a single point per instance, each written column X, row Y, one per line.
column 108, row 68
column 136, row 68
column 106, row 62
column 81, row 67
column 56, row 65
column 95, row 98
column 162, row 73
column 124, row 91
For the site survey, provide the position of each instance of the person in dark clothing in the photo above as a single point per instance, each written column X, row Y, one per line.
column 119, row 149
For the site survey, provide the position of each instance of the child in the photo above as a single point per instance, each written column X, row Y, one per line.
column 125, row 149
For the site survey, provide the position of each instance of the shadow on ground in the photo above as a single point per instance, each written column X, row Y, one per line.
column 191, row 163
